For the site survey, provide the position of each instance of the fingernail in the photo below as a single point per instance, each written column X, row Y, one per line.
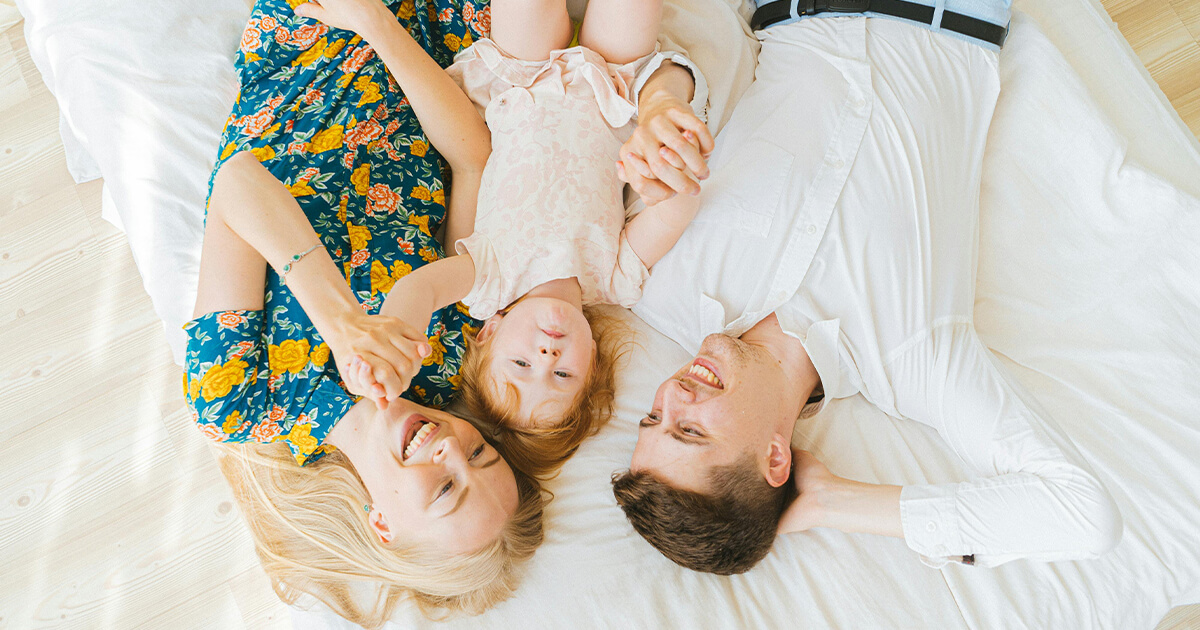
column 425, row 350
column 689, row 135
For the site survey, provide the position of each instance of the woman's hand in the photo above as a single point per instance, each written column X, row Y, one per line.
column 377, row 356
column 668, row 151
column 360, row 16
column 812, row 479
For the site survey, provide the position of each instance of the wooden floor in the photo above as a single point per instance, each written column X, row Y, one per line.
column 112, row 513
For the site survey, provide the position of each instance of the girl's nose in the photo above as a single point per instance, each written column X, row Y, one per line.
column 554, row 352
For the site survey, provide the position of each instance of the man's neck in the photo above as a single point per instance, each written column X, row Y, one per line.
column 791, row 356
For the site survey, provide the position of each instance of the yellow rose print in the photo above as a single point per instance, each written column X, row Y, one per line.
column 455, row 381
column 289, row 356
column 420, row 192
column 301, row 189
column 421, row 221
column 228, row 150
column 452, row 42
column 341, row 214
column 381, row 280
column 312, row 54
column 219, row 380
column 361, row 178
column 301, row 436
column 427, row 254
column 335, row 48
column 400, row 269
column 370, row 91
column 438, row 196
column 263, row 153
column 439, row 351
column 407, row 9
column 419, row 391
column 233, row 422
column 327, row 139
column 418, row 148
column 359, row 235
column 320, row 355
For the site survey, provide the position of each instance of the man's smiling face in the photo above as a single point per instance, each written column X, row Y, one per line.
column 722, row 405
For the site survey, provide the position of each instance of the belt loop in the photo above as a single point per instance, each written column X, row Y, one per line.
column 795, row 14
column 939, row 7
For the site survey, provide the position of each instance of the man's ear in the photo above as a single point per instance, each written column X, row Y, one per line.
column 489, row 328
column 378, row 522
column 779, row 461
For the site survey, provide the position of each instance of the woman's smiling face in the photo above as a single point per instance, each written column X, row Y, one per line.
column 434, row 481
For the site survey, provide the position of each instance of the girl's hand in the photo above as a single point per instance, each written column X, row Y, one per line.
column 668, row 151
column 361, row 16
column 812, row 479
column 377, row 356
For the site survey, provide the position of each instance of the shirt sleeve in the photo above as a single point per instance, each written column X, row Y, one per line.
column 1034, row 496
column 699, row 101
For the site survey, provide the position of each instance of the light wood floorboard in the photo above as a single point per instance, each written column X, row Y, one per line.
column 112, row 511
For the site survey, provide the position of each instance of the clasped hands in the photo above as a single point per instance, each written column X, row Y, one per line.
column 668, row 152
column 377, row 356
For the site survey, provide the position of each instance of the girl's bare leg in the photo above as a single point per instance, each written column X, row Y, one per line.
column 621, row 30
column 530, row 29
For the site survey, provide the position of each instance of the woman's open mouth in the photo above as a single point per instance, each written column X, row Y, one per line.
column 418, row 434
column 704, row 372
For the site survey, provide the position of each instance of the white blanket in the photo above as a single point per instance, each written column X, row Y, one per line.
column 1089, row 285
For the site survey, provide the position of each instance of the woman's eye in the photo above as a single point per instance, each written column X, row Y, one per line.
column 521, row 363
column 446, row 489
column 561, row 374
column 477, row 453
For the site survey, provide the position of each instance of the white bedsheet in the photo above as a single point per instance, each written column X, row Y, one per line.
column 1089, row 285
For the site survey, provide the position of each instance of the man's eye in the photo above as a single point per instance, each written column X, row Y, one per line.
column 650, row 420
column 445, row 489
column 521, row 362
column 477, row 453
column 691, row 432
column 562, row 374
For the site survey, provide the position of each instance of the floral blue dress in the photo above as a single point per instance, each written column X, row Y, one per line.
column 320, row 111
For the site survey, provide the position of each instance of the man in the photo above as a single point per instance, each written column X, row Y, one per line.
column 834, row 254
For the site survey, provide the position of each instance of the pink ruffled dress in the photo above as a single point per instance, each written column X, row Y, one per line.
column 550, row 202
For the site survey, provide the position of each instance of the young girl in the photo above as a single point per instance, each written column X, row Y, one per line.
column 551, row 235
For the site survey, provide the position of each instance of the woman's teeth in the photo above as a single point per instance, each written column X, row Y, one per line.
column 419, row 439
column 705, row 374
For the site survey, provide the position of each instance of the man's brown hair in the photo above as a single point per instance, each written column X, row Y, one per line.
column 726, row 531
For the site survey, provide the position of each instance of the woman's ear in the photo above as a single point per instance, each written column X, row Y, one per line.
column 378, row 522
column 489, row 328
column 779, row 461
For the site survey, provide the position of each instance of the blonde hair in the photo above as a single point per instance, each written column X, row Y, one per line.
column 312, row 536
column 540, row 451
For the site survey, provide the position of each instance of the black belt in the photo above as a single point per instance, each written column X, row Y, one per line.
column 780, row 10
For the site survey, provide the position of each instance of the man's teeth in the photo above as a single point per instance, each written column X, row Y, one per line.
column 704, row 374
column 419, row 439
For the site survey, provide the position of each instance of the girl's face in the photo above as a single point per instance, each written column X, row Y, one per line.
column 434, row 481
column 542, row 348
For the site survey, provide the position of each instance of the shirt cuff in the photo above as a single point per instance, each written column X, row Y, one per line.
column 700, row 94
column 929, row 517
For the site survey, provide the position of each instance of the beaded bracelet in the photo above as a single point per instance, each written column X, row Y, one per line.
column 295, row 259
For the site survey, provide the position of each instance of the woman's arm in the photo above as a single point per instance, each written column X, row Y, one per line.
column 256, row 206
column 448, row 118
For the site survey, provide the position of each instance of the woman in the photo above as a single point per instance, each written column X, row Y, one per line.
column 325, row 174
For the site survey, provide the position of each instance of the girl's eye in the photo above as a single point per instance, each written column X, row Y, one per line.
column 477, row 453
column 445, row 489
column 561, row 374
column 521, row 363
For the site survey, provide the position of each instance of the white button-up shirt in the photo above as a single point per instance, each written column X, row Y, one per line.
column 844, row 198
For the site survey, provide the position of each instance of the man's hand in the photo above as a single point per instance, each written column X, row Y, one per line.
column 811, row 478
column 377, row 356
column 359, row 16
column 667, row 152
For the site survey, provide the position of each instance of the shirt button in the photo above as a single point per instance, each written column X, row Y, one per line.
column 811, row 229
column 859, row 102
column 931, row 526
column 835, row 163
